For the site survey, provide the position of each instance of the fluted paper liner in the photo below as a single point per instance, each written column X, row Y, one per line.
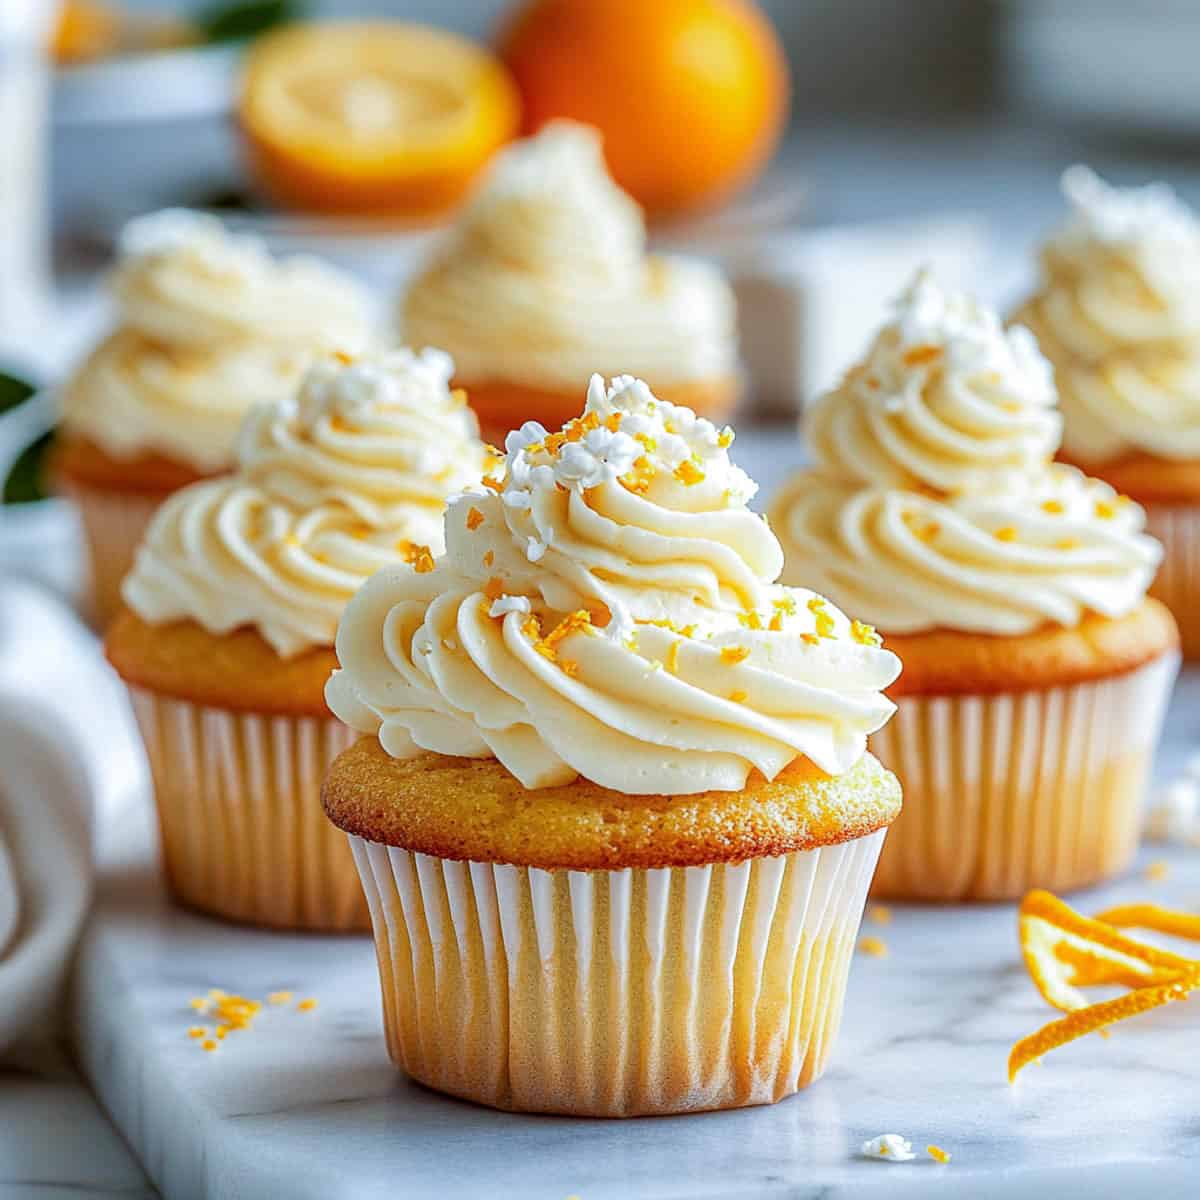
column 1034, row 789
column 615, row 993
column 243, row 833
column 114, row 524
column 1177, row 583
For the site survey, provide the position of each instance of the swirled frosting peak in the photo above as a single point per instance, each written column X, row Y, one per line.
column 348, row 476
column 945, row 399
column 934, row 502
column 1118, row 314
column 546, row 279
column 609, row 609
column 210, row 324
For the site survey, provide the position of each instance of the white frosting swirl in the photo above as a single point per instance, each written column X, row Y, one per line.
column 945, row 399
column 348, row 477
column 1118, row 314
column 210, row 326
column 547, row 280
column 951, row 515
column 611, row 613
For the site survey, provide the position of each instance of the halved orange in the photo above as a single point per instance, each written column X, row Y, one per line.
column 373, row 117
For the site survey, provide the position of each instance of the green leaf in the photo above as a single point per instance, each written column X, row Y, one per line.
column 13, row 391
column 239, row 19
column 26, row 481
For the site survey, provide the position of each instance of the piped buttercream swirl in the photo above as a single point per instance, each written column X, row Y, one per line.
column 209, row 325
column 1118, row 314
column 610, row 610
column 934, row 502
column 546, row 279
column 345, row 478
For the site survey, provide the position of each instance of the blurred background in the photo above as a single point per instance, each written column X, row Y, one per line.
column 914, row 132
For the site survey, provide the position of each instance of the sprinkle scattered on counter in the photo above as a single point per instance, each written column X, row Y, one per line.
column 873, row 947
column 880, row 914
column 937, row 1154
column 889, row 1147
column 231, row 1013
column 1157, row 871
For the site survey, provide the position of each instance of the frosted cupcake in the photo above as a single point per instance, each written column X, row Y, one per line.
column 1012, row 588
column 209, row 325
column 614, row 819
column 546, row 279
column 233, row 602
column 1118, row 314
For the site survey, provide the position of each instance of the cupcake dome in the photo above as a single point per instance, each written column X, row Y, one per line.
column 934, row 503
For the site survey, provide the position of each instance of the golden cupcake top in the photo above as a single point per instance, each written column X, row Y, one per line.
column 209, row 324
column 934, row 502
column 1117, row 311
column 609, row 610
column 347, row 476
column 546, row 279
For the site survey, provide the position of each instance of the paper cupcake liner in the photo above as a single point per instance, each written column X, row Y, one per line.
column 1177, row 584
column 239, row 806
column 114, row 524
column 1003, row 793
column 615, row 993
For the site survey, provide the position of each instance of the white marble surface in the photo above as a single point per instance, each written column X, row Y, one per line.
column 307, row 1104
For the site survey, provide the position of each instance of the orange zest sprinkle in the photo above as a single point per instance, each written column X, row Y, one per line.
column 279, row 997
column 785, row 605
column 688, row 473
column 737, row 695
column 725, row 439
column 775, row 625
column 873, row 946
column 197, row 1031
column 489, row 558
column 307, row 1005
column 344, row 358
column 1156, row 872
column 824, row 621
column 918, row 356
column 686, row 631
column 1104, row 510
column 601, row 614
column 569, row 669
column 208, row 1044
column 1065, row 951
column 199, row 1003
column 732, row 655
column 474, row 518
column 672, row 663
column 865, row 635
column 422, row 560
column 1053, row 506
column 494, row 588
column 937, row 1154
column 810, row 639
column 880, row 914
column 646, row 442
column 750, row 619
column 1006, row 533
column 493, row 484
column 579, row 621
column 612, row 422
column 1067, row 544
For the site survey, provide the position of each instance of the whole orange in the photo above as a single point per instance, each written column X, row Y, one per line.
column 691, row 95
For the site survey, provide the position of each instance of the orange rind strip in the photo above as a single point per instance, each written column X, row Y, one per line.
column 1065, row 951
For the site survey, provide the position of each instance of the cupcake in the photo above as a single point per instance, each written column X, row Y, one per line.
column 209, row 325
column 1013, row 589
column 1117, row 313
column 546, row 279
column 614, row 818
column 233, row 602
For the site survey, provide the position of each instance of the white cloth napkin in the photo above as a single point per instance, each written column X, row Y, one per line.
column 69, row 758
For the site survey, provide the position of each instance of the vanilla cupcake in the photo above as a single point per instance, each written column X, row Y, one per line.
column 546, row 279
column 1014, row 591
column 614, row 819
column 233, row 602
column 1118, row 314
column 209, row 325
